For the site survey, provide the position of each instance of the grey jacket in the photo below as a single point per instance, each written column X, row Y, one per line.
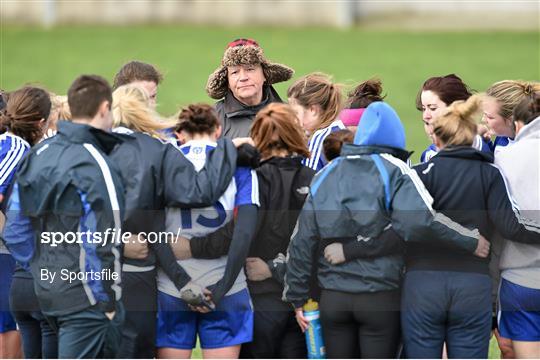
column 519, row 163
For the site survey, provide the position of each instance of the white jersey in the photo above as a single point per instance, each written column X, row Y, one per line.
column 243, row 190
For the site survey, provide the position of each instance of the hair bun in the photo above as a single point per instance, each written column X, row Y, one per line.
column 452, row 76
column 528, row 88
column 365, row 93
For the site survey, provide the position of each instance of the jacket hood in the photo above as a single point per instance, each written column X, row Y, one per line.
column 465, row 152
column 380, row 126
column 287, row 161
column 530, row 131
column 81, row 133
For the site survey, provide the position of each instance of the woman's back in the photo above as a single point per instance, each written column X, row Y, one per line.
column 283, row 187
column 461, row 181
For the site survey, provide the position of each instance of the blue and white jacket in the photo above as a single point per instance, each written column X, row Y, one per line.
column 12, row 150
column 479, row 144
column 317, row 160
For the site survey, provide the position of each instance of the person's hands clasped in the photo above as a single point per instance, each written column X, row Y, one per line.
column 197, row 297
column 334, row 254
column 257, row 269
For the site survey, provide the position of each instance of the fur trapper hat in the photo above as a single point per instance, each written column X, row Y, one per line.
column 244, row 52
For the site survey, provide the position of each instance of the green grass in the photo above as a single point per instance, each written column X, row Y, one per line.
column 494, row 352
column 187, row 55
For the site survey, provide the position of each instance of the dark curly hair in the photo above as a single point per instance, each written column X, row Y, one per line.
column 197, row 119
column 364, row 94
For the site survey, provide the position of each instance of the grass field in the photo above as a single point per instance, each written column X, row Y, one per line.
column 187, row 55
column 494, row 352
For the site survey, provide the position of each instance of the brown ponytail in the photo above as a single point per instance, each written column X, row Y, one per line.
column 25, row 109
column 276, row 127
column 364, row 94
column 317, row 89
column 528, row 109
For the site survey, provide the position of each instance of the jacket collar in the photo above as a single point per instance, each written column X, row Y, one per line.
column 234, row 108
column 287, row 161
column 530, row 131
column 465, row 152
column 81, row 134
column 352, row 149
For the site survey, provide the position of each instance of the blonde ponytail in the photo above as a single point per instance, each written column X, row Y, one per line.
column 456, row 126
column 509, row 93
column 130, row 109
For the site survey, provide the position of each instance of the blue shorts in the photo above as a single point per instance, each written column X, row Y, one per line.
column 7, row 267
column 519, row 313
column 230, row 324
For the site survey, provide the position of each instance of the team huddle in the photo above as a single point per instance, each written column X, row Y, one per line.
column 127, row 234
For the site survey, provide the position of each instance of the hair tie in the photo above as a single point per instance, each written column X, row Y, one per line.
column 7, row 115
column 528, row 89
column 305, row 85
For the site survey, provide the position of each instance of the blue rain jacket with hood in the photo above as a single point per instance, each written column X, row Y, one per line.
column 367, row 190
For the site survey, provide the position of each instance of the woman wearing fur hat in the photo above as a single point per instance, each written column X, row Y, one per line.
column 243, row 85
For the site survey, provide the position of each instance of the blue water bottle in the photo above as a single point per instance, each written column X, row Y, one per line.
column 314, row 339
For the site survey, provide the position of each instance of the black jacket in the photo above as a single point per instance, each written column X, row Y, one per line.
column 156, row 175
column 283, row 187
column 236, row 118
column 67, row 184
column 469, row 189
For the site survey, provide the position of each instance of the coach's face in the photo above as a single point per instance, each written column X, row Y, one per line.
column 246, row 83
